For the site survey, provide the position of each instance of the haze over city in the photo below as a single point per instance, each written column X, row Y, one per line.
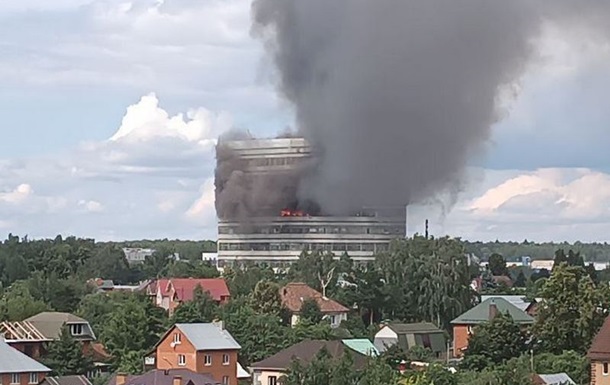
column 110, row 112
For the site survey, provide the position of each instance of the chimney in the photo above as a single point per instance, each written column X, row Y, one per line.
column 177, row 380
column 219, row 324
column 493, row 310
column 121, row 378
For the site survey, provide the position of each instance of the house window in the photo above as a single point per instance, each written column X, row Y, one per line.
column 15, row 378
column 76, row 329
column 225, row 380
column 207, row 360
column 225, row 359
column 33, row 378
column 272, row 380
column 181, row 359
column 605, row 369
column 177, row 338
column 333, row 320
column 469, row 330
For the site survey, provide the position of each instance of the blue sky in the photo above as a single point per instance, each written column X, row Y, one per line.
column 109, row 110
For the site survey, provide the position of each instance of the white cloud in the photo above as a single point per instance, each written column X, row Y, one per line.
column 154, row 171
column 18, row 195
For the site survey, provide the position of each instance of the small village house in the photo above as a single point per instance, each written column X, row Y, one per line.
column 16, row 368
column 294, row 294
column 463, row 326
column 203, row 348
column 163, row 377
column 171, row 292
column 407, row 336
column 599, row 355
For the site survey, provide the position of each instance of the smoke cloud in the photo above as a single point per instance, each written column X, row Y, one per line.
column 397, row 96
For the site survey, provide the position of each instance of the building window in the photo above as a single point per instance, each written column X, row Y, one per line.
column 272, row 380
column 177, row 338
column 333, row 320
column 469, row 329
column 33, row 378
column 181, row 359
column 225, row 359
column 225, row 380
column 76, row 329
column 207, row 360
column 605, row 369
column 15, row 378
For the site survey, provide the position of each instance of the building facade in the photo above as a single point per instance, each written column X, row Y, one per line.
column 279, row 238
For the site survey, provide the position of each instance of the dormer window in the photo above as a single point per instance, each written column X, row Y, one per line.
column 76, row 329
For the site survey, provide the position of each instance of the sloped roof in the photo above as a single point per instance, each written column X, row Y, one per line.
column 295, row 293
column 50, row 324
column 13, row 361
column 21, row 332
column 305, row 352
column 241, row 372
column 518, row 300
column 206, row 336
column 166, row 377
column 480, row 313
column 552, row 379
column 362, row 346
column 414, row 328
column 600, row 347
column 66, row 380
column 185, row 287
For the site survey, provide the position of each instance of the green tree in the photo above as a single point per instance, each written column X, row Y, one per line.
column 310, row 312
column 378, row 372
column 265, row 298
column 573, row 363
column 65, row 356
column 496, row 341
column 17, row 303
column 571, row 312
column 131, row 363
column 520, row 281
column 497, row 265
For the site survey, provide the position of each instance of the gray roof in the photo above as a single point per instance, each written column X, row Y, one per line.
column 518, row 300
column 50, row 323
column 166, row 377
column 66, row 380
column 480, row 313
column 208, row 336
column 13, row 361
column 414, row 328
column 556, row 379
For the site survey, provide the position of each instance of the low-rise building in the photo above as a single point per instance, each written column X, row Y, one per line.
column 16, row 368
column 410, row 335
column 294, row 294
column 66, row 380
column 201, row 347
column 599, row 355
column 171, row 292
column 463, row 326
column 164, row 377
column 270, row 370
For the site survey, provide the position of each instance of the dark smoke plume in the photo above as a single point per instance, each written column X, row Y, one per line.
column 398, row 95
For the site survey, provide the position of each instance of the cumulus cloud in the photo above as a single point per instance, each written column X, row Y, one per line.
column 153, row 171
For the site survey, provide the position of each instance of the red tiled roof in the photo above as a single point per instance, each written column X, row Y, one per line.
column 600, row 347
column 185, row 287
column 295, row 293
column 98, row 352
column 163, row 285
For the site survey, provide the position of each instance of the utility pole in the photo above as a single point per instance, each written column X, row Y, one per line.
column 426, row 229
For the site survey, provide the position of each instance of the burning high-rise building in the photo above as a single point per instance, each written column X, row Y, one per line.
column 262, row 219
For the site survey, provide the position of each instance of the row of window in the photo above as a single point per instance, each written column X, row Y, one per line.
column 286, row 229
column 16, row 378
column 300, row 246
column 268, row 161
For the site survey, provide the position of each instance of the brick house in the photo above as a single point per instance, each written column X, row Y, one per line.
column 171, row 292
column 203, row 348
column 463, row 326
column 17, row 368
column 599, row 355
column 294, row 294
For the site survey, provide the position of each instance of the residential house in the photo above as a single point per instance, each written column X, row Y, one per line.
column 294, row 294
column 463, row 326
column 66, row 380
column 50, row 324
column 519, row 301
column 135, row 255
column 407, row 336
column 599, row 355
column 270, row 370
column 202, row 348
column 171, row 292
column 107, row 285
column 362, row 346
column 164, row 377
column 552, row 379
column 24, row 337
column 18, row 369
